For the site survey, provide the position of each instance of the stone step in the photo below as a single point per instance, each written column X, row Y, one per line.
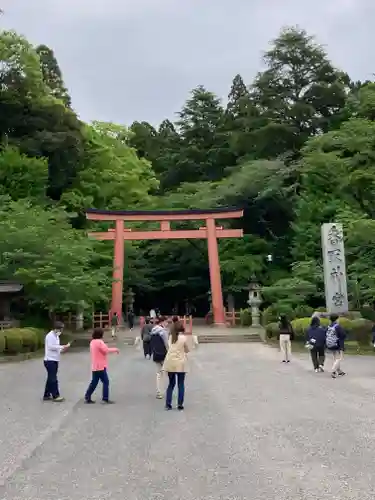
column 228, row 338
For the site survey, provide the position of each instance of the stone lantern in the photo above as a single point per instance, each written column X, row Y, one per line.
column 129, row 300
column 255, row 300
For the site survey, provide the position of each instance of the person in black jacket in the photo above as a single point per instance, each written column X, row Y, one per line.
column 146, row 337
column 285, row 335
column 316, row 339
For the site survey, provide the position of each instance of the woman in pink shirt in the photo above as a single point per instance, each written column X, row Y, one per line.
column 99, row 351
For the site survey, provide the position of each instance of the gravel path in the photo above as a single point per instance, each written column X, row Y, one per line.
column 253, row 429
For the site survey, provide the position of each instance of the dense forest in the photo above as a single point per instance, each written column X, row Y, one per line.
column 295, row 148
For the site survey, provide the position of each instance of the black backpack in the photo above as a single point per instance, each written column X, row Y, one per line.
column 158, row 349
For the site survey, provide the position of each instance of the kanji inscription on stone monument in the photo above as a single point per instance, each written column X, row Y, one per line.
column 335, row 283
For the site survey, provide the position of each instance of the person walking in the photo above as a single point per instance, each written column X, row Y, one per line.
column 316, row 342
column 159, row 348
column 115, row 321
column 99, row 352
column 175, row 365
column 52, row 353
column 335, row 342
column 131, row 319
column 285, row 335
column 176, row 325
column 146, row 337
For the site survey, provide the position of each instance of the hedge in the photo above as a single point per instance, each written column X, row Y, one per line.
column 359, row 330
column 17, row 340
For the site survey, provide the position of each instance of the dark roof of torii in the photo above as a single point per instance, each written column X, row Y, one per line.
column 194, row 211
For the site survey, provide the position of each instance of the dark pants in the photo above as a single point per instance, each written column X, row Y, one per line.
column 52, row 384
column 147, row 348
column 317, row 356
column 181, row 388
column 96, row 376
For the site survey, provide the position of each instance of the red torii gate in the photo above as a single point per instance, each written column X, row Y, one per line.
column 210, row 232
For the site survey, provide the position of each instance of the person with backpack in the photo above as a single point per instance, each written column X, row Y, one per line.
column 146, row 337
column 335, row 342
column 175, row 365
column 316, row 342
column 286, row 335
column 159, row 348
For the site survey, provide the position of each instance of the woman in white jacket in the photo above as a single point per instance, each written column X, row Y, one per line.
column 175, row 365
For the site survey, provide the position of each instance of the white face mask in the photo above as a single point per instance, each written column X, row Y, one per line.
column 58, row 332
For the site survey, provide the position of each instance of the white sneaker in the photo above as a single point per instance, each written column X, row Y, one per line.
column 159, row 396
column 316, row 370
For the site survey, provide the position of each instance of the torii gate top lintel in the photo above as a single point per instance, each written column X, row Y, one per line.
column 158, row 215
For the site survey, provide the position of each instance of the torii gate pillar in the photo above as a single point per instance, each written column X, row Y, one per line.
column 215, row 275
column 118, row 269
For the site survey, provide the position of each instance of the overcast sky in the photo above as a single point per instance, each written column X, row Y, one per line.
column 126, row 60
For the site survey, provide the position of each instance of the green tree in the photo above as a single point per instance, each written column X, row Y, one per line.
column 300, row 93
column 55, row 263
column 204, row 152
column 52, row 75
column 111, row 176
column 32, row 119
column 22, row 177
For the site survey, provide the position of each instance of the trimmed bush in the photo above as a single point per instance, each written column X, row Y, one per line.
column 301, row 325
column 40, row 334
column 17, row 340
column 245, row 316
column 13, row 341
column 368, row 312
column 272, row 329
column 2, row 342
column 303, row 311
column 271, row 314
column 361, row 331
column 30, row 340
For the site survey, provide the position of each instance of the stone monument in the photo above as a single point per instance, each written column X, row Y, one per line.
column 335, row 283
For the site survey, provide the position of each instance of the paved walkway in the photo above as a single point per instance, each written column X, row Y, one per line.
column 252, row 429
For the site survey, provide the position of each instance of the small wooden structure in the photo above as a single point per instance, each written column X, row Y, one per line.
column 232, row 318
column 8, row 290
column 100, row 320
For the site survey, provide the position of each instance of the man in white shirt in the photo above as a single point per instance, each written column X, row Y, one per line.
column 52, row 352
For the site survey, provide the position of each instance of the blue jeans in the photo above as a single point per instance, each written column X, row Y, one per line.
column 181, row 388
column 52, row 385
column 96, row 376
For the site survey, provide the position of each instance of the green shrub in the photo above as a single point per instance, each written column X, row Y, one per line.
column 301, row 325
column 13, row 340
column 30, row 340
column 361, row 331
column 271, row 314
column 272, row 329
column 245, row 315
column 303, row 311
column 346, row 324
column 40, row 334
column 2, row 342
column 368, row 312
